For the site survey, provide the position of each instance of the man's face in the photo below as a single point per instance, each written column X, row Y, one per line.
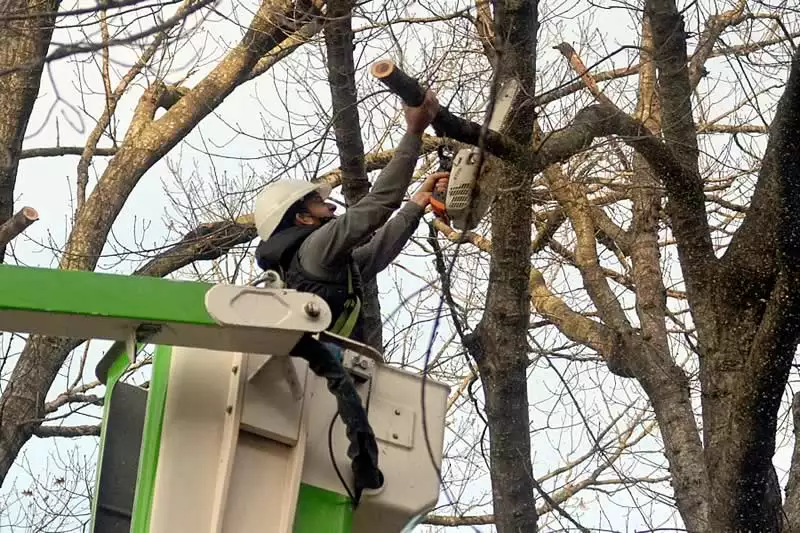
column 317, row 211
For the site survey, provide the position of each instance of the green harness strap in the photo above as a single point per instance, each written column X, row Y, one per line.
column 346, row 322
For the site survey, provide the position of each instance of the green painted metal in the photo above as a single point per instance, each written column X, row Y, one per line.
column 115, row 372
column 72, row 292
column 322, row 510
column 151, row 440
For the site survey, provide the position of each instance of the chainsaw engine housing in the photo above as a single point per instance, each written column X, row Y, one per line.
column 464, row 185
column 463, row 179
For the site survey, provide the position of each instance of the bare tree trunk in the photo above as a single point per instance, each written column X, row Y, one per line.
column 502, row 332
column 665, row 383
column 746, row 364
column 347, row 129
column 23, row 41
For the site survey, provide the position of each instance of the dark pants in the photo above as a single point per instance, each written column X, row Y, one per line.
column 363, row 450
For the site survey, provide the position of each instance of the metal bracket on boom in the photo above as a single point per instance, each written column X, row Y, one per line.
column 354, row 346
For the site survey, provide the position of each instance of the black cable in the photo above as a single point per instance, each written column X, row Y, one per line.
column 333, row 461
column 462, row 238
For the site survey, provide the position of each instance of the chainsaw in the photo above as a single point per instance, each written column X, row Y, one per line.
column 470, row 189
column 438, row 198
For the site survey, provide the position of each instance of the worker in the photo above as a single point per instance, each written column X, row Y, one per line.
column 316, row 251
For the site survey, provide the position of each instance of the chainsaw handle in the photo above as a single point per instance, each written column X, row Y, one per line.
column 438, row 205
column 407, row 88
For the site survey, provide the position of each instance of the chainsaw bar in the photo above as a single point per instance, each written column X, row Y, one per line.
column 469, row 195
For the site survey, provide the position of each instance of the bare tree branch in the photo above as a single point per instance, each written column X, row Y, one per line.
column 70, row 432
column 58, row 151
column 347, row 130
column 15, row 225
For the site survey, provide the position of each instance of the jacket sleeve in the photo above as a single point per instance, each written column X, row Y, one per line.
column 325, row 252
column 388, row 241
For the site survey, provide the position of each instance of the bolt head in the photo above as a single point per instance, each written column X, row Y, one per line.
column 363, row 363
column 397, row 412
column 395, row 436
column 312, row 309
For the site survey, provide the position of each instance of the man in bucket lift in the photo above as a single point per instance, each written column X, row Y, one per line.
column 318, row 252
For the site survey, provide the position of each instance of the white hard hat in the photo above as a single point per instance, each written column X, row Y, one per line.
column 277, row 197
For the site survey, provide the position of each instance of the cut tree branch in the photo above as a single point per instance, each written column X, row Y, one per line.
column 15, row 225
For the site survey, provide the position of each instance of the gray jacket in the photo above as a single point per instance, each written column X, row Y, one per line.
column 325, row 253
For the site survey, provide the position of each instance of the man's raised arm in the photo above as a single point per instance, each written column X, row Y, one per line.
column 328, row 248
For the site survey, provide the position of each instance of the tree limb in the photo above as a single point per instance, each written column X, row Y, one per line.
column 90, row 149
column 15, row 225
column 578, row 209
column 773, row 216
column 69, row 432
column 204, row 243
column 286, row 47
column 339, row 37
column 684, row 187
column 792, row 505
column 484, row 25
column 715, row 25
column 686, row 206
column 23, row 44
column 750, row 397
column 571, row 324
column 57, row 151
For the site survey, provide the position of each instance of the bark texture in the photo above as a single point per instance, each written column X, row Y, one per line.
column 347, row 129
column 500, row 345
column 18, row 223
column 23, row 41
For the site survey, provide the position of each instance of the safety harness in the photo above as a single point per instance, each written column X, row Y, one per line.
column 346, row 322
column 279, row 253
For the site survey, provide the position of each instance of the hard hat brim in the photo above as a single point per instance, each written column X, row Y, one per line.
column 269, row 210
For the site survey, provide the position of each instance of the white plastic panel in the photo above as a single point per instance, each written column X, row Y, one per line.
column 212, row 477
column 412, row 483
column 193, row 443
column 270, row 407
